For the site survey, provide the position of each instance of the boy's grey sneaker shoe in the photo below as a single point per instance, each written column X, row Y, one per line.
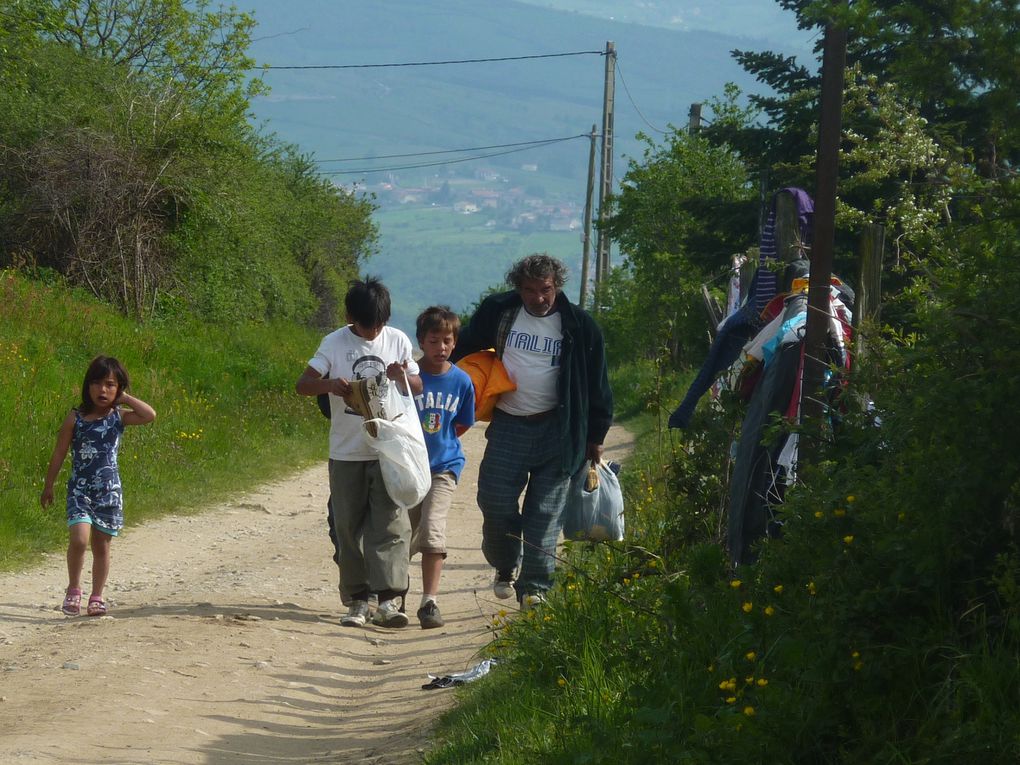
column 503, row 585
column 356, row 615
column 389, row 615
column 428, row 616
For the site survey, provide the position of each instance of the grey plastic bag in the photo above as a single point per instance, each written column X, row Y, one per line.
column 594, row 510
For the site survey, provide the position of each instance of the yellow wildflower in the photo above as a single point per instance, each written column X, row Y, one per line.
column 750, row 655
column 839, row 512
column 769, row 611
column 731, row 699
column 848, row 539
column 735, row 584
column 811, row 588
column 749, row 711
column 561, row 682
column 850, row 499
column 762, row 682
column 819, row 514
column 747, row 607
column 778, row 589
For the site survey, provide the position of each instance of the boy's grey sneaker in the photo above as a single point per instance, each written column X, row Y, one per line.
column 428, row 616
column 503, row 585
column 356, row 615
column 389, row 615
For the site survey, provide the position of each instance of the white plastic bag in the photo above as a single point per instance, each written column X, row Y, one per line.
column 400, row 444
column 594, row 509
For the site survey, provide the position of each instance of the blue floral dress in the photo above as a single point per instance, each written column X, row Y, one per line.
column 93, row 490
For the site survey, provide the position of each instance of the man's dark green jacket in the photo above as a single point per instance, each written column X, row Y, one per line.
column 586, row 400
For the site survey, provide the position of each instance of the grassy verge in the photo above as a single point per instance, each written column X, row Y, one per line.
column 881, row 628
column 567, row 673
column 228, row 416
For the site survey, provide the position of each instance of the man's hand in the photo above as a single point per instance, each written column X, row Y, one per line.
column 594, row 453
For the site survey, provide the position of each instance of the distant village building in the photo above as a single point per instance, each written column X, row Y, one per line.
column 489, row 174
column 486, row 197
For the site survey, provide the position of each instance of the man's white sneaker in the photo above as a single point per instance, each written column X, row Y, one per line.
column 356, row 615
column 503, row 586
column 533, row 600
column 389, row 615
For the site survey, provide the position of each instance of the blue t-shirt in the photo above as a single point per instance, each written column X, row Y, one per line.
column 446, row 400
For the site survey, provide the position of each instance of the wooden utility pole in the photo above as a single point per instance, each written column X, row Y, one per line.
column 694, row 119
column 606, row 171
column 586, row 247
column 823, row 241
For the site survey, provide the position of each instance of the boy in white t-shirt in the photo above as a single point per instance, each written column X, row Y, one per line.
column 372, row 533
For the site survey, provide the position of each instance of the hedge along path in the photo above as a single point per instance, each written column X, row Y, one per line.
column 223, row 643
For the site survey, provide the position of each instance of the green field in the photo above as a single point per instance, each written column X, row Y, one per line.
column 433, row 255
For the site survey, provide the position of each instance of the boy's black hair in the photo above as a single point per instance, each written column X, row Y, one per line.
column 368, row 302
column 101, row 368
column 437, row 318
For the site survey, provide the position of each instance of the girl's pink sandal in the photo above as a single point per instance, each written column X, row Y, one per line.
column 97, row 606
column 72, row 602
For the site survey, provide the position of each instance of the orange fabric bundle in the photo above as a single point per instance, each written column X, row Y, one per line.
column 490, row 379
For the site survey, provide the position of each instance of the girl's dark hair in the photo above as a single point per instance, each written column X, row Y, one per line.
column 368, row 302
column 101, row 368
column 437, row 318
column 537, row 266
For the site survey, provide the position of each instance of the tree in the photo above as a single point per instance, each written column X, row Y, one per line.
column 958, row 60
column 666, row 220
column 129, row 164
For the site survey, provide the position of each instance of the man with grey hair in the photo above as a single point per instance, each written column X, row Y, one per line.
column 542, row 432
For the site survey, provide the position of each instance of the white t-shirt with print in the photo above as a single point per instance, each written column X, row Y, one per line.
column 344, row 354
column 532, row 360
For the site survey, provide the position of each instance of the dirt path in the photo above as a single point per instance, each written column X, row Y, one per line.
column 223, row 644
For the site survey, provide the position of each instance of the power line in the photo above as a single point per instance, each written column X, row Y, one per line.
column 436, row 63
column 631, row 99
column 446, row 162
column 448, row 151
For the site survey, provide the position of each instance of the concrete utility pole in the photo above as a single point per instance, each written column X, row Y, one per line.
column 586, row 247
column 606, row 173
column 826, row 173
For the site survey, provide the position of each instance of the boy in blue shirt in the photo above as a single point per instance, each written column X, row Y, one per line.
column 446, row 406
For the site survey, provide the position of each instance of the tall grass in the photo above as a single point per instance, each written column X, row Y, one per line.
column 228, row 416
column 872, row 632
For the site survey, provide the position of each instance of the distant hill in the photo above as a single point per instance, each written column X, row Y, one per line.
column 374, row 113
column 754, row 18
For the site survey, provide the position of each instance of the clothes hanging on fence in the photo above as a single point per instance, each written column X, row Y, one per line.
column 762, row 471
column 746, row 321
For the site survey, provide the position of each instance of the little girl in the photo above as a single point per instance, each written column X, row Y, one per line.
column 94, row 502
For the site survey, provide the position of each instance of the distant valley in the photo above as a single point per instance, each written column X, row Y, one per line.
column 451, row 222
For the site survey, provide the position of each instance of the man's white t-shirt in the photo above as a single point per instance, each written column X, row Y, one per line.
column 532, row 360
column 344, row 354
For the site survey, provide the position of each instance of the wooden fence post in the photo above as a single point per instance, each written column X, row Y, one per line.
column 868, row 300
